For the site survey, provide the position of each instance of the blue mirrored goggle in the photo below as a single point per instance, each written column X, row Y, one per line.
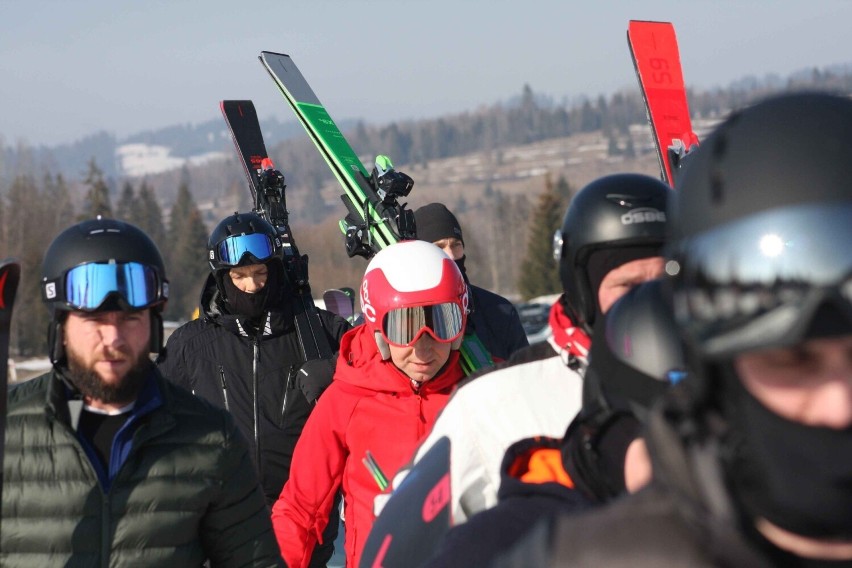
column 87, row 287
column 232, row 249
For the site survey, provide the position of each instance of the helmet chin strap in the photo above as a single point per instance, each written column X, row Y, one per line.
column 384, row 348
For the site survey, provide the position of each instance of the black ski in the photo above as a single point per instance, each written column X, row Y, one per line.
column 10, row 275
column 270, row 202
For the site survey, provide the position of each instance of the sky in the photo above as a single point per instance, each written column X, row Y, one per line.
column 70, row 69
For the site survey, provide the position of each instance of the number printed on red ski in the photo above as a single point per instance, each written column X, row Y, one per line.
column 656, row 58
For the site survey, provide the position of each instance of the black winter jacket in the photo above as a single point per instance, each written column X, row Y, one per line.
column 685, row 517
column 254, row 376
column 534, row 486
column 185, row 492
column 496, row 323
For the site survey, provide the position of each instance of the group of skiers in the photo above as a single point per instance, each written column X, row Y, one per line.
column 691, row 406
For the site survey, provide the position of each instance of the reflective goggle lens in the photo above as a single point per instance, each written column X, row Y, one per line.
column 758, row 281
column 232, row 249
column 403, row 326
column 88, row 285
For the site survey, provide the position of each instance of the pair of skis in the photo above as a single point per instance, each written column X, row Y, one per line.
column 656, row 58
column 10, row 275
column 270, row 202
column 376, row 218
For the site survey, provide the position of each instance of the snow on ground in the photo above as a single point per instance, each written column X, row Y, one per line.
column 143, row 159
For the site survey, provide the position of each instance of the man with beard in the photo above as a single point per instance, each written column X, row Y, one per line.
column 106, row 462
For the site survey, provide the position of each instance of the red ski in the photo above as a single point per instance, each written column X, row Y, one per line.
column 653, row 47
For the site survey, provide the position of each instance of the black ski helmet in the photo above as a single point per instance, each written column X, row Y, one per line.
column 761, row 226
column 636, row 355
column 102, row 264
column 612, row 212
column 231, row 243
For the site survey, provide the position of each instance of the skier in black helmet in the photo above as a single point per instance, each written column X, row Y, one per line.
column 101, row 452
column 752, row 453
column 611, row 239
column 243, row 353
column 636, row 356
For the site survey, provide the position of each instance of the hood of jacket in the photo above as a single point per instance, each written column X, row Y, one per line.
column 360, row 364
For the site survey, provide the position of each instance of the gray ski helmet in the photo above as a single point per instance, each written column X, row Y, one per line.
column 613, row 212
column 241, row 239
column 761, row 224
column 639, row 356
column 103, row 264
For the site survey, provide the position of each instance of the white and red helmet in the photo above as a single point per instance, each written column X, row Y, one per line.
column 411, row 288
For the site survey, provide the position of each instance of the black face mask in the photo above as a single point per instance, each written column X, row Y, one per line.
column 251, row 306
column 460, row 263
column 795, row 476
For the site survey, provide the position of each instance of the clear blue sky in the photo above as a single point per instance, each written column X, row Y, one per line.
column 70, row 68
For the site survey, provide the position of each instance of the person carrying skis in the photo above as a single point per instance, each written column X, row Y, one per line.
column 636, row 356
column 107, row 463
column 752, row 452
column 394, row 375
column 492, row 317
column 243, row 354
column 610, row 240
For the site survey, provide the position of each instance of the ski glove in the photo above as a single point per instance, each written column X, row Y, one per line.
column 314, row 377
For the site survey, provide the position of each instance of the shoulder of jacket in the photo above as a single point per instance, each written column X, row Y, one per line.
column 537, row 353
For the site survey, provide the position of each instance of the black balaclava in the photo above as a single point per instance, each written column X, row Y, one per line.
column 797, row 477
column 253, row 306
column 596, row 442
column 602, row 261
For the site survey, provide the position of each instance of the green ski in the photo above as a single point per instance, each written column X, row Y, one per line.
column 376, row 219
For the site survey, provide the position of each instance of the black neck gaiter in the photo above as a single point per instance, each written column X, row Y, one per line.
column 251, row 306
column 795, row 476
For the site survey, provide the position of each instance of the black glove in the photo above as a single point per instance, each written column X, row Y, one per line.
column 314, row 377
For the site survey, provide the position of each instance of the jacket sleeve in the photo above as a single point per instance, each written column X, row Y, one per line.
column 516, row 337
column 302, row 511
column 169, row 361
column 236, row 531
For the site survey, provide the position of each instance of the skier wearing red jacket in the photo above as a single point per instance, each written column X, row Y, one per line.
column 394, row 375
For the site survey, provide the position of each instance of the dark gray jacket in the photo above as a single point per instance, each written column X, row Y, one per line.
column 185, row 490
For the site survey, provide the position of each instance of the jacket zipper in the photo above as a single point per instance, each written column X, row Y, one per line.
column 224, row 387
column 255, row 358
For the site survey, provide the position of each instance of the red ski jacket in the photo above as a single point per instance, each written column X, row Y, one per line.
column 370, row 406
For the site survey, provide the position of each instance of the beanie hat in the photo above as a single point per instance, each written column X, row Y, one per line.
column 435, row 222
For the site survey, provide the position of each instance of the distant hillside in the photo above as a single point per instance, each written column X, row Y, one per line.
column 203, row 153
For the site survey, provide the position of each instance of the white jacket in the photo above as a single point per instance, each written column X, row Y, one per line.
column 530, row 397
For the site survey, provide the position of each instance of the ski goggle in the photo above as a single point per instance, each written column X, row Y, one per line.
column 404, row 326
column 232, row 249
column 87, row 287
column 760, row 281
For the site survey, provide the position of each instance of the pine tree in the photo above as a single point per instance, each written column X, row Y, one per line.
column 124, row 210
column 28, row 237
column 97, row 197
column 148, row 215
column 187, row 259
column 539, row 274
